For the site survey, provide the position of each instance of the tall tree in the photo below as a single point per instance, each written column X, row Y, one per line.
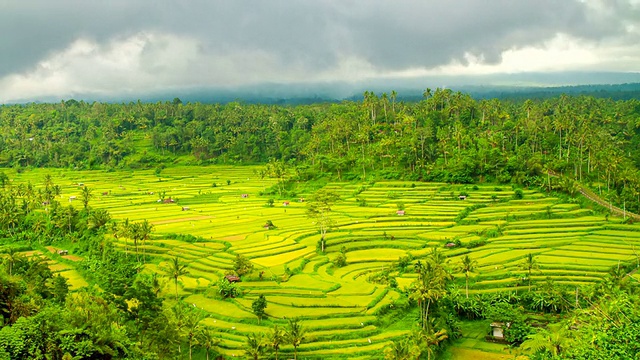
column 319, row 209
column 207, row 340
column 276, row 338
column 192, row 327
column 295, row 335
column 86, row 196
column 466, row 266
column 529, row 265
column 254, row 346
column 175, row 270
column 258, row 306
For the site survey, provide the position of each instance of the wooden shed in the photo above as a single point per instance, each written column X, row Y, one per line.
column 232, row 278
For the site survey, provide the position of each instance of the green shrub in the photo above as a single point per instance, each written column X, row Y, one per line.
column 340, row 260
column 518, row 194
column 476, row 243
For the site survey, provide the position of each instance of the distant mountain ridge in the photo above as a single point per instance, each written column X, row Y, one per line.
column 618, row 86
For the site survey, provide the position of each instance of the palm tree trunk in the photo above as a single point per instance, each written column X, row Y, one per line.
column 426, row 315
column 467, row 284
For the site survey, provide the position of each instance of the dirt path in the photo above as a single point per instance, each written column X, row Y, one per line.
column 587, row 193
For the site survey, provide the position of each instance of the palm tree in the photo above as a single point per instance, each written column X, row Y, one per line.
column 430, row 337
column 466, row 266
column 12, row 258
column 553, row 341
column 254, row 347
column 134, row 232
column 86, row 196
column 145, row 232
column 295, row 335
column 402, row 349
column 207, row 340
column 530, row 264
column 428, row 288
column 276, row 339
column 99, row 218
column 192, row 328
column 3, row 179
column 156, row 283
column 175, row 271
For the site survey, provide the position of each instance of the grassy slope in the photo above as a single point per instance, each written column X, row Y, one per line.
column 337, row 304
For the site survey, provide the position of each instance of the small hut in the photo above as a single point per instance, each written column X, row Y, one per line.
column 185, row 208
column 462, row 197
column 400, row 212
column 169, row 201
column 497, row 330
column 63, row 252
column 286, row 203
column 450, row 245
column 232, row 278
column 244, row 196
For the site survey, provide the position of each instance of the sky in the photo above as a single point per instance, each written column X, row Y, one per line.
column 64, row 48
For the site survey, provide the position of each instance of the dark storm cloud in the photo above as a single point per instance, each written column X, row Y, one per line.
column 312, row 35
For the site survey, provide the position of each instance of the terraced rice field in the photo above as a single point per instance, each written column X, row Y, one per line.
column 338, row 305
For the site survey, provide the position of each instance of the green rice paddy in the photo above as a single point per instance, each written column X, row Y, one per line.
column 338, row 305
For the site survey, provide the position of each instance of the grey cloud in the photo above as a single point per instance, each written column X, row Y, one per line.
column 315, row 35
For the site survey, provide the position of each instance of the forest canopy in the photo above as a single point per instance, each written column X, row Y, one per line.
column 447, row 136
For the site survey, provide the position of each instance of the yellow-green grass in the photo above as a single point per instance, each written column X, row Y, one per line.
column 558, row 258
column 238, row 328
column 301, row 281
column 577, row 249
column 284, row 311
column 366, row 243
column 594, row 254
column 74, row 279
column 330, row 300
column 352, row 322
column 375, row 255
column 224, row 308
column 601, row 249
column 460, row 353
column 283, row 248
column 363, row 331
column 351, row 270
column 387, row 301
column 492, row 257
column 563, row 230
column 274, row 260
column 355, row 343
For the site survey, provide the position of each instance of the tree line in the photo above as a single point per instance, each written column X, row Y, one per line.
column 447, row 136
